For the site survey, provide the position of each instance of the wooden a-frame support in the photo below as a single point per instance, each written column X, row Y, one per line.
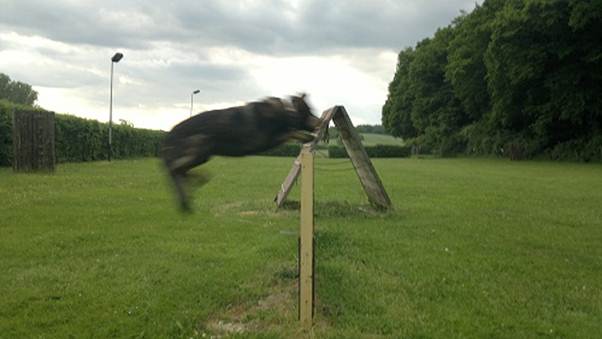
column 364, row 169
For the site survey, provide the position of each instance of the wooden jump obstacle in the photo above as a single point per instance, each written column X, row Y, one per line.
column 373, row 187
column 304, row 165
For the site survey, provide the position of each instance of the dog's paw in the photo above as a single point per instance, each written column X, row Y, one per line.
column 302, row 136
column 185, row 207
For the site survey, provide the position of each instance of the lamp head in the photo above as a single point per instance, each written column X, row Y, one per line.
column 117, row 57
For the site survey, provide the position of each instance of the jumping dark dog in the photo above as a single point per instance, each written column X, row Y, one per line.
column 236, row 131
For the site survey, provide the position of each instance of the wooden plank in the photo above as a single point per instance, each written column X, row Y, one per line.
column 306, row 237
column 366, row 172
column 16, row 142
column 26, row 141
column 51, row 141
column 33, row 141
column 44, row 141
column 287, row 185
column 293, row 173
column 37, row 137
column 22, row 142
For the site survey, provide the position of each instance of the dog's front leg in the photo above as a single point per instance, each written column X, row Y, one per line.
column 302, row 136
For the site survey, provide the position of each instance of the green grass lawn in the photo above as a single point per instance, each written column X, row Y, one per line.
column 474, row 248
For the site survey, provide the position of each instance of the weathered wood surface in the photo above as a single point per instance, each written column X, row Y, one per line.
column 33, row 141
column 369, row 179
column 306, row 238
column 287, row 185
column 361, row 162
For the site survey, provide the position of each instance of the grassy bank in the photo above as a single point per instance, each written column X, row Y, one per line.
column 474, row 248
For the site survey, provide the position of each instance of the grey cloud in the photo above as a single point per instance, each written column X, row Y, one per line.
column 374, row 24
column 167, row 84
column 106, row 23
column 269, row 27
column 207, row 72
column 166, row 44
column 65, row 77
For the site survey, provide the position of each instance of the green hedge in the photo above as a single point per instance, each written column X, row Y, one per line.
column 6, row 129
column 376, row 151
column 284, row 150
column 5, row 134
column 79, row 139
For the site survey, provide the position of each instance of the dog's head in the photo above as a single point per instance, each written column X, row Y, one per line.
column 307, row 121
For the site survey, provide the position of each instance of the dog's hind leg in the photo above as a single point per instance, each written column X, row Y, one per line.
column 195, row 152
column 179, row 181
column 198, row 178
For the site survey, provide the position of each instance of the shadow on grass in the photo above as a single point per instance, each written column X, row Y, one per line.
column 338, row 209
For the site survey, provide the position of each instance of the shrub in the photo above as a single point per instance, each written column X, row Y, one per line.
column 284, row 150
column 80, row 139
column 452, row 145
column 578, row 150
column 376, row 151
column 337, row 152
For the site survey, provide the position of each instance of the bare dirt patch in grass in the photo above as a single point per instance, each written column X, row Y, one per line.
column 269, row 313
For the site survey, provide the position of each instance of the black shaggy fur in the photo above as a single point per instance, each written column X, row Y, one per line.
column 236, row 131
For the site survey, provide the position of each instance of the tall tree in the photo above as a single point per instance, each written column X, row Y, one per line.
column 16, row 91
column 397, row 110
column 436, row 112
column 513, row 77
column 544, row 70
column 465, row 68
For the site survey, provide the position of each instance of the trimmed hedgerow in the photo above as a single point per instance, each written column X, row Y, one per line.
column 79, row 139
column 376, row 151
column 284, row 150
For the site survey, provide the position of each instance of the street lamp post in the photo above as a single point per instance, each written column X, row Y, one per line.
column 191, row 100
column 114, row 59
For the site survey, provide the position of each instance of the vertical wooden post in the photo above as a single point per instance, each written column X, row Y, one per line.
column 306, row 238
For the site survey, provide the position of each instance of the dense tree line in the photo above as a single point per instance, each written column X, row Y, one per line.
column 16, row 91
column 519, row 78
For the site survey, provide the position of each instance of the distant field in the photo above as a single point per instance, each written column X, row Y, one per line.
column 474, row 248
column 381, row 139
column 371, row 139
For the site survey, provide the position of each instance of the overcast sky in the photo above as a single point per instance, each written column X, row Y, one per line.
column 339, row 52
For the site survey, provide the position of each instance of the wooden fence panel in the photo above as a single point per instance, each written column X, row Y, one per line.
column 33, row 141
